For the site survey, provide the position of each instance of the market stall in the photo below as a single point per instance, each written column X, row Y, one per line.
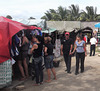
column 8, row 28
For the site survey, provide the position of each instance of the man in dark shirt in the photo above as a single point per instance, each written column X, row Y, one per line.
column 66, row 49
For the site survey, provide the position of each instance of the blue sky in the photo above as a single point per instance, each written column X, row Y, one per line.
column 36, row 8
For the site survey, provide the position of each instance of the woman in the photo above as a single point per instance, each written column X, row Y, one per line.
column 37, row 51
column 48, row 50
column 23, row 55
column 80, row 53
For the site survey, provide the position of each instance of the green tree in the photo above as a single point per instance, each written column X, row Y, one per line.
column 91, row 13
column 74, row 11
column 62, row 13
column 98, row 17
column 48, row 15
column 82, row 16
column 9, row 17
column 44, row 17
column 31, row 17
column 56, row 17
column 72, row 14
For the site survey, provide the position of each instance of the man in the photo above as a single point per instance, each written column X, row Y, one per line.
column 93, row 42
column 66, row 49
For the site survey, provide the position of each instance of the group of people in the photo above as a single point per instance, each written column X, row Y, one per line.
column 67, row 50
column 37, row 51
column 41, row 51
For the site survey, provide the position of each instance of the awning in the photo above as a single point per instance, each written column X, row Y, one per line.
column 97, row 25
column 8, row 28
column 50, row 30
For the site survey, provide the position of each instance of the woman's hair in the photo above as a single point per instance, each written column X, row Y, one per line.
column 79, row 36
column 47, row 39
column 38, row 37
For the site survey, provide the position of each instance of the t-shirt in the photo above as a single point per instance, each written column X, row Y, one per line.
column 66, row 45
column 84, row 39
column 38, row 52
column 80, row 47
column 49, row 48
column 93, row 41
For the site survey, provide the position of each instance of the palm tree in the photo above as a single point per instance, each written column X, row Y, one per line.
column 82, row 16
column 98, row 17
column 48, row 15
column 62, row 13
column 44, row 17
column 74, row 11
column 9, row 17
column 55, row 15
column 91, row 13
column 73, row 14
column 31, row 18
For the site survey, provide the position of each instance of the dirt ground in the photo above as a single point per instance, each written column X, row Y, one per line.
column 87, row 81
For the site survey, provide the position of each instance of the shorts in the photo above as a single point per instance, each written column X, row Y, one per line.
column 22, row 55
column 49, row 61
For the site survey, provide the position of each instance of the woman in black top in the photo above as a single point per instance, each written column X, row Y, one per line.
column 48, row 50
column 22, row 57
column 37, row 55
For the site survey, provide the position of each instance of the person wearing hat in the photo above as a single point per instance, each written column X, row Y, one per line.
column 66, row 48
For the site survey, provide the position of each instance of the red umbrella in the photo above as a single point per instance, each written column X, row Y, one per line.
column 8, row 28
column 34, row 27
column 39, row 28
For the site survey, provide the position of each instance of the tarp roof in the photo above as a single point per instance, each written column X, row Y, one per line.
column 8, row 28
column 97, row 25
column 49, row 30
column 85, row 30
column 38, row 22
column 62, row 26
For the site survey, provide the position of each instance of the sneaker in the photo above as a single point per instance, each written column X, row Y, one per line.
column 69, row 72
column 76, row 73
column 82, row 71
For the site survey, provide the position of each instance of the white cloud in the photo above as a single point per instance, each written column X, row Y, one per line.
column 36, row 8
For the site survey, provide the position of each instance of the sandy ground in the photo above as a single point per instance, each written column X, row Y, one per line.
column 87, row 81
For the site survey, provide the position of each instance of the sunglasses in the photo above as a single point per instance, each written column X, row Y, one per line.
column 67, row 34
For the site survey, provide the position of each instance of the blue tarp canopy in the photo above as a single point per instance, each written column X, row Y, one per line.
column 97, row 25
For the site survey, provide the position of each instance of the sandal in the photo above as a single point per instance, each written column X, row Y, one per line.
column 48, row 81
column 36, row 85
column 22, row 79
column 54, row 78
column 41, row 83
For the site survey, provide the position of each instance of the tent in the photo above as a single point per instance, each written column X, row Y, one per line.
column 8, row 28
column 50, row 30
column 31, row 22
column 97, row 25
column 85, row 30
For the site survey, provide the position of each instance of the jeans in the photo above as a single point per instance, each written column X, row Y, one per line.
column 67, row 59
column 49, row 61
column 38, row 69
column 92, row 48
column 80, row 57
